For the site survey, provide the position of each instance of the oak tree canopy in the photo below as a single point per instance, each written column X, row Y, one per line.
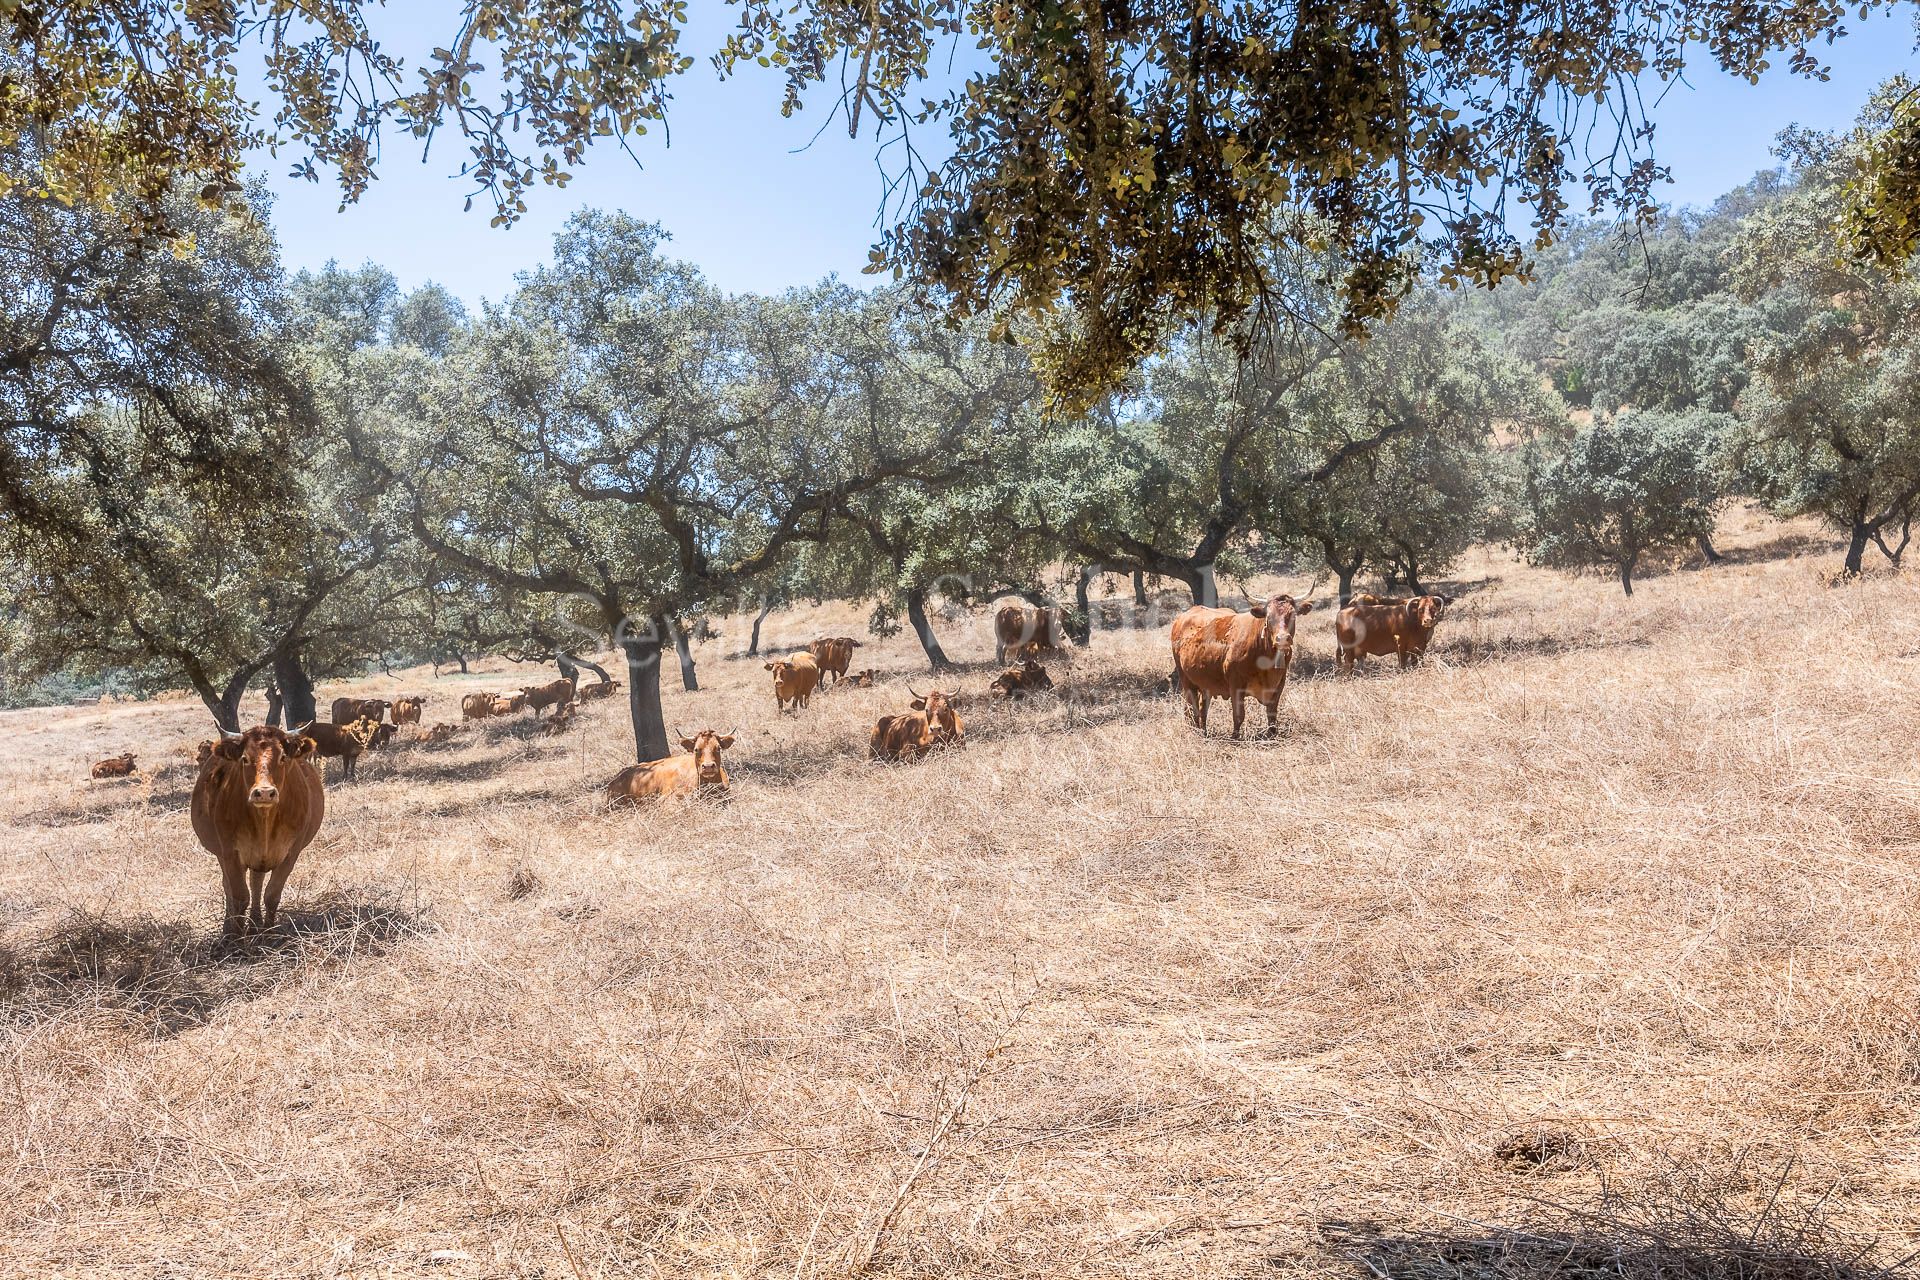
column 1111, row 167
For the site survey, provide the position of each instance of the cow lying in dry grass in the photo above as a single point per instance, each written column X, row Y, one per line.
column 699, row 770
column 113, row 767
column 1019, row 682
column 933, row 722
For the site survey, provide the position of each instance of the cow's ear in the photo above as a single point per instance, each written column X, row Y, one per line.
column 769, row 666
column 918, row 704
column 687, row 743
column 1258, row 611
column 299, row 748
column 726, row 742
column 956, row 701
column 229, row 748
column 1303, row 606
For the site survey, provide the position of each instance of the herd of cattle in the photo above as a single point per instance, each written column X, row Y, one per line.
column 258, row 799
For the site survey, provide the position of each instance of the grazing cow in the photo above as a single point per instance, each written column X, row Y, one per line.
column 407, row 710
column 699, row 770
column 1027, row 633
column 834, row 654
column 1017, row 682
column 1218, row 653
column 113, row 767
column 345, row 741
column 440, row 733
column 863, row 679
column 538, row 697
column 1374, row 626
column 933, row 722
column 599, row 689
column 476, row 706
column 255, row 810
column 347, row 710
column 794, row 679
column 505, row 704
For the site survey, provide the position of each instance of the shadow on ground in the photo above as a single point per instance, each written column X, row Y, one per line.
column 169, row 976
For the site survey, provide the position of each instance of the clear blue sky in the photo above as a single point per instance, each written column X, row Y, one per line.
column 757, row 208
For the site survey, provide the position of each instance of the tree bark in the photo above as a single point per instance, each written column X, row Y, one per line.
column 922, row 627
column 1626, row 576
column 275, row 703
column 682, row 649
column 296, row 690
column 1346, row 574
column 1140, row 587
column 1203, row 587
column 1705, row 543
column 766, row 607
column 570, row 664
column 1080, row 625
column 643, row 697
column 1857, row 546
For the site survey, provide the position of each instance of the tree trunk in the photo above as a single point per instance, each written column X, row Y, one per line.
column 275, row 703
column 917, row 615
column 570, row 664
column 682, row 649
column 1705, row 543
column 766, row 607
column 1202, row 586
column 1140, row 587
column 1626, row 576
column 643, row 697
column 1080, row 625
column 296, row 690
column 1857, row 546
column 1346, row 574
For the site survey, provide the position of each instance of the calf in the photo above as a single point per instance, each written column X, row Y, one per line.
column 599, row 689
column 113, row 767
column 344, row 741
column 254, row 809
column 933, row 722
column 794, row 679
column 407, row 710
column 1374, row 626
column 505, row 704
column 862, row 679
column 699, row 771
column 1018, row 682
column 538, row 697
column 562, row 719
column 476, row 706
column 440, row 733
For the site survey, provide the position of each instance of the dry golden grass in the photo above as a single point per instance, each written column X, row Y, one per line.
column 1612, row 898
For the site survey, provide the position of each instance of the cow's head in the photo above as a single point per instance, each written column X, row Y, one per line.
column 203, row 752
column 943, row 714
column 705, row 747
column 1034, row 676
column 782, row 670
column 1280, row 611
column 265, row 754
column 1426, row 610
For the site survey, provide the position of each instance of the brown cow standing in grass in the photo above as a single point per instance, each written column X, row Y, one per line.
column 476, row 706
column 1218, row 653
column 933, row 722
column 1374, row 626
column 538, row 697
column 113, row 767
column 345, row 742
column 255, row 807
column 795, row 677
column 347, row 710
column 699, row 770
column 834, row 654
column 599, row 689
column 408, row 710
column 1020, row 632
column 1018, row 682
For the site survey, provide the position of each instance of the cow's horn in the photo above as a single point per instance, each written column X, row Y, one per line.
column 916, row 693
column 303, row 728
column 233, row 733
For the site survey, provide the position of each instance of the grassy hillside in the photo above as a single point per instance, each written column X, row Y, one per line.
column 1606, row 917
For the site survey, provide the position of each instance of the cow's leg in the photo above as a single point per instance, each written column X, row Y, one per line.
column 233, row 881
column 1239, row 710
column 1273, row 715
column 256, row 891
column 275, row 883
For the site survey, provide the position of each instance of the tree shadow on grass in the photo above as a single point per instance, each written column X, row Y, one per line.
column 167, row 976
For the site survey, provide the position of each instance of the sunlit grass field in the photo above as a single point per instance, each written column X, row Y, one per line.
column 1610, row 909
